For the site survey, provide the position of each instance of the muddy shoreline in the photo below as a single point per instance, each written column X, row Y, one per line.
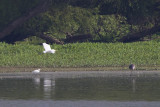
column 49, row 69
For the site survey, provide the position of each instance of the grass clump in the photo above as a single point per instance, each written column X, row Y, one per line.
column 81, row 55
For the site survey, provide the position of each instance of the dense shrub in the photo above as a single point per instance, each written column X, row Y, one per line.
column 76, row 20
column 12, row 9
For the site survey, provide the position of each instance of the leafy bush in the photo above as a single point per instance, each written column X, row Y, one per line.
column 76, row 20
column 12, row 9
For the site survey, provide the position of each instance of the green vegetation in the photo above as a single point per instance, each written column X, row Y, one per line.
column 106, row 20
column 10, row 10
column 106, row 28
column 81, row 55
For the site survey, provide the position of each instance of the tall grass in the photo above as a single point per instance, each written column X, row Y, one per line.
column 81, row 55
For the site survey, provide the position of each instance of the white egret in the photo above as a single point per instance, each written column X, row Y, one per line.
column 132, row 67
column 36, row 71
column 48, row 49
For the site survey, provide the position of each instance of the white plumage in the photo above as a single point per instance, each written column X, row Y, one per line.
column 48, row 49
column 36, row 71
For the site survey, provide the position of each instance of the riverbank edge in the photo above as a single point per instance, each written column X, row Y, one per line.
column 65, row 69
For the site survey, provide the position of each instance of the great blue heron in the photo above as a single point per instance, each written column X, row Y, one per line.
column 132, row 67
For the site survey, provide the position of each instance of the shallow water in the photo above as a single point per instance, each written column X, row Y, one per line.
column 80, row 89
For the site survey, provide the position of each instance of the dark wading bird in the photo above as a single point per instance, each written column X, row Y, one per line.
column 132, row 67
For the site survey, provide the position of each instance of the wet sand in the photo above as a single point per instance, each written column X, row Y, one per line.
column 49, row 69
column 79, row 74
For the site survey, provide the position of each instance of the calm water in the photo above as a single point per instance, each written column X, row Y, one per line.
column 80, row 89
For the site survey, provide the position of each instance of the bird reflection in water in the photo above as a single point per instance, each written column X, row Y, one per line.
column 49, row 85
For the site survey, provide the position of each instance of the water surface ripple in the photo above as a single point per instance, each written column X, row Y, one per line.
column 80, row 89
